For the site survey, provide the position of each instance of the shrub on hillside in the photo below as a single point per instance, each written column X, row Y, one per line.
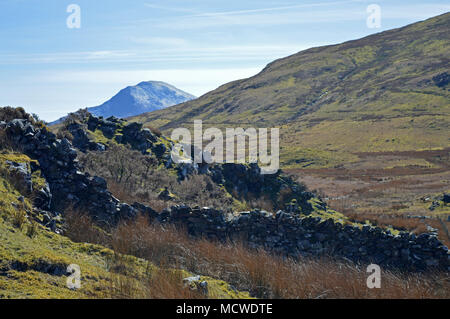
column 78, row 117
column 5, row 141
column 80, row 227
column 154, row 130
column 133, row 177
column 8, row 114
column 64, row 133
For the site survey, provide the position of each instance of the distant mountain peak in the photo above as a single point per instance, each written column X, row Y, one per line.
column 146, row 96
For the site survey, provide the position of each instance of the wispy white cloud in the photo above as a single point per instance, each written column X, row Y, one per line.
column 159, row 41
column 263, row 19
column 167, row 8
column 413, row 11
column 319, row 12
column 183, row 78
column 280, row 8
column 65, row 57
column 188, row 53
column 267, row 16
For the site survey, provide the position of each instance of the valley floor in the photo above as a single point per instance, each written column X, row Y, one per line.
column 390, row 188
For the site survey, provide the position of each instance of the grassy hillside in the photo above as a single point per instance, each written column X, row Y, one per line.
column 140, row 259
column 34, row 260
column 385, row 92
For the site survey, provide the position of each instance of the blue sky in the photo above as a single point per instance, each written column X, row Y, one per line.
column 198, row 45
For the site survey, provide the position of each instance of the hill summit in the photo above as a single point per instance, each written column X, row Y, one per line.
column 385, row 92
column 147, row 96
column 144, row 97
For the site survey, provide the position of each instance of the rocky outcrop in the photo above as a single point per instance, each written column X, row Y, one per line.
column 437, row 201
column 296, row 236
column 441, row 80
column 118, row 131
column 68, row 185
column 22, row 171
column 81, row 139
column 243, row 179
column 446, row 198
column 285, row 232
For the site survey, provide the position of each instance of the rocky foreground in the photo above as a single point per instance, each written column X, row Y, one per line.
column 294, row 232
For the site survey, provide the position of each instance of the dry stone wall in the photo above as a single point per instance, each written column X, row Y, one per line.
column 296, row 236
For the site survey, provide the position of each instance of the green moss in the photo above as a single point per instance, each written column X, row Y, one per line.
column 38, row 181
column 98, row 137
column 340, row 218
column 36, row 177
column 218, row 289
column 22, row 259
column 318, row 211
column 15, row 157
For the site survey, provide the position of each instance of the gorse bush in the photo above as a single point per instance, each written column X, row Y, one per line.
column 120, row 164
column 6, row 143
column 64, row 133
column 8, row 114
column 202, row 191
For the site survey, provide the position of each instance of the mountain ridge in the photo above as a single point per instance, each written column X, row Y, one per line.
column 390, row 86
column 146, row 96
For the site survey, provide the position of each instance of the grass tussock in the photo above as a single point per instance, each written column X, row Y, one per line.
column 159, row 284
column 147, row 281
column 5, row 141
column 19, row 218
column 80, row 228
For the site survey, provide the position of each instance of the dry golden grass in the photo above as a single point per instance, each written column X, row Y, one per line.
column 80, row 228
column 263, row 274
column 19, row 218
column 155, row 283
column 167, row 284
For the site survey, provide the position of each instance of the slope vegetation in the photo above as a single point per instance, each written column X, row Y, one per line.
column 34, row 260
column 385, row 92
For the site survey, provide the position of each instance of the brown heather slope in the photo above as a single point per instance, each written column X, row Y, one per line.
column 385, row 92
